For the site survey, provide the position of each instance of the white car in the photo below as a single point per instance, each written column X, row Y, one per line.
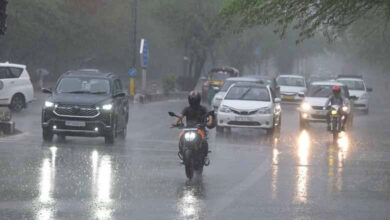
column 16, row 89
column 249, row 105
column 312, row 106
column 357, row 87
column 291, row 86
column 226, row 85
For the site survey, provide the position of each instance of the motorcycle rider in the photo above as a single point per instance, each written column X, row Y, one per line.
column 336, row 99
column 194, row 114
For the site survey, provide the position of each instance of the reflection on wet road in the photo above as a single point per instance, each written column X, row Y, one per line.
column 291, row 175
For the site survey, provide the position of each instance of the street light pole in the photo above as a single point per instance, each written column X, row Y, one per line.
column 133, row 47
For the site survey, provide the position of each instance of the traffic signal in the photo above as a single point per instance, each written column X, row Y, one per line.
column 3, row 16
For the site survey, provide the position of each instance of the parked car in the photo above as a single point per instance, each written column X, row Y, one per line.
column 86, row 103
column 290, row 86
column 312, row 107
column 229, row 82
column 249, row 105
column 16, row 89
column 357, row 87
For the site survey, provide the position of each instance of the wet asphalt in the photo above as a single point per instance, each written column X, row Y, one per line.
column 294, row 175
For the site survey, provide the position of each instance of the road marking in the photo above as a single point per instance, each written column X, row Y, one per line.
column 228, row 198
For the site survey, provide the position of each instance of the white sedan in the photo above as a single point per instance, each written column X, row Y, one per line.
column 291, row 86
column 249, row 106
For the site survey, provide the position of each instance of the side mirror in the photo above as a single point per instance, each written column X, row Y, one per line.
column 47, row 91
column 121, row 94
column 172, row 114
column 354, row 98
column 369, row 89
column 277, row 100
column 301, row 94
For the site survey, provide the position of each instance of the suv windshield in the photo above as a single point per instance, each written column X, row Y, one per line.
column 321, row 91
column 353, row 84
column 84, row 85
column 248, row 93
column 291, row 81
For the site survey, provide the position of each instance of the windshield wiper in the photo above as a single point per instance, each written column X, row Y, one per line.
column 79, row 92
column 101, row 92
column 245, row 93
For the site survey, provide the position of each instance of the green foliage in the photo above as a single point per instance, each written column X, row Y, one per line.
column 169, row 83
column 328, row 16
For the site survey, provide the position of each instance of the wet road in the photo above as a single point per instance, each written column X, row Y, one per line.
column 299, row 175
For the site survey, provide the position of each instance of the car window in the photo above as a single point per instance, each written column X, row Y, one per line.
column 291, row 81
column 84, row 85
column 16, row 72
column 5, row 73
column 248, row 93
column 322, row 91
column 353, row 84
column 117, row 86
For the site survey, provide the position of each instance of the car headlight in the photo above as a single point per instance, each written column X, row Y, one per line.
column 305, row 106
column 225, row 109
column 265, row 110
column 107, row 107
column 189, row 136
column 345, row 108
column 49, row 104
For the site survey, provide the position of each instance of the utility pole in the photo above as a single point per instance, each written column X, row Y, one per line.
column 3, row 16
column 133, row 43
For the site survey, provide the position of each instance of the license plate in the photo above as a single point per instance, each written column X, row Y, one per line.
column 75, row 123
column 243, row 119
column 289, row 97
column 320, row 113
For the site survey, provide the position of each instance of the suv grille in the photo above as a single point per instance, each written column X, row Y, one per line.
column 76, row 111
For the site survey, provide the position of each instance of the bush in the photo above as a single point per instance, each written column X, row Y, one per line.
column 169, row 83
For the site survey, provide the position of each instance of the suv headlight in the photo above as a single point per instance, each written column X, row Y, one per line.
column 345, row 108
column 49, row 104
column 265, row 110
column 305, row 106
column 107, row 107
column 225, row 109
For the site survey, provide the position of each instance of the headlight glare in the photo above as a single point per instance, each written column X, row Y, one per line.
column 107, row 107
column 345, row 108
column 305, row 106
column 48, row 104
column 189, row 136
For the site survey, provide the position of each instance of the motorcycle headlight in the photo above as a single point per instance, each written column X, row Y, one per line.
column 107, row 107
column 49, row 104
column 305, row 106
column 334, row 112
column 189, row 136
column 345, row 108
column 225, row 109
column 265, row 110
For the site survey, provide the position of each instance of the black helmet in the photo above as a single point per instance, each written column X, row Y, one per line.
column 194, row 99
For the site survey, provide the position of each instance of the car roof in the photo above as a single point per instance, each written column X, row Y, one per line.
column 249, row 84
column 330, row 83
column 243, row 79
column 13, row 65
column 88, row 72
column 292, row 76
column 350, row 79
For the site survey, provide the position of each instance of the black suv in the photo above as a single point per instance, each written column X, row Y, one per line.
column 86, row 103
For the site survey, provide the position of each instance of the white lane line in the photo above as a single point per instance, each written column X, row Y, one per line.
column 228, row 198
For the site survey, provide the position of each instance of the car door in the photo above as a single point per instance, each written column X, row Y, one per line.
column 7, row 85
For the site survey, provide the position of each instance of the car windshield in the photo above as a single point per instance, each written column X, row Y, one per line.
column 220, row 76
column 84, row 85
column 353, row 84
column 291, row 81
column 248, row 93
column 321, row 91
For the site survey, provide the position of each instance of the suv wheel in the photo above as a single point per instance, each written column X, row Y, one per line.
column 47, row 134
column 109, row 138
column 17, row 103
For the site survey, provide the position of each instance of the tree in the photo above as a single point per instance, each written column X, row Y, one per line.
column 327, row 16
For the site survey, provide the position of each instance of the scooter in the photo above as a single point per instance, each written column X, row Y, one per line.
column 191, row 140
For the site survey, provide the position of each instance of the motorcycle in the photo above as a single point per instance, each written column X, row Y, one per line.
column 336, row 121
column 191, row 140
